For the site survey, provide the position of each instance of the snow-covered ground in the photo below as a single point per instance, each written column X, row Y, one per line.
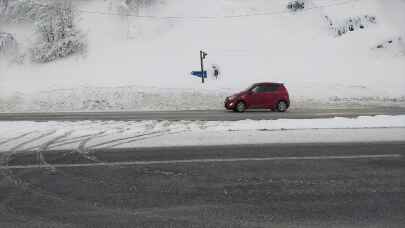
column 86, row 135
column 128, row 98
column 251, row 41
column 135, row 98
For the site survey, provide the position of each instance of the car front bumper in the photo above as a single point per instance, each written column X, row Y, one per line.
column 229, row 104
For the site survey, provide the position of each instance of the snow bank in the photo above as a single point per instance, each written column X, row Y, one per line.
column 86, row 135
column 114, row 99
column 135, row 98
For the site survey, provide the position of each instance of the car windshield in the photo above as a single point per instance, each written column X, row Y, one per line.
column 250, row 87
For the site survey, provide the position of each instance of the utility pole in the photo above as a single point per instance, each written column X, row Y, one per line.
column 202, row 57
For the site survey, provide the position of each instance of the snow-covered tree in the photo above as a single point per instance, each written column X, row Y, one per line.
column 58, row 36
column 8, row 43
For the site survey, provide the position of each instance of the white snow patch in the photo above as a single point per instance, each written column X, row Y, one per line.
column 86, row 135
column 249, row 137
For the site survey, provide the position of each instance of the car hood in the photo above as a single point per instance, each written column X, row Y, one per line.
column 239, row 94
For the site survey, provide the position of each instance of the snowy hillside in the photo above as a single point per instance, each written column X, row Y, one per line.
column 257, row 40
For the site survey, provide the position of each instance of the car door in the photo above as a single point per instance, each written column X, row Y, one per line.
column 269, row 95
column 254, row 98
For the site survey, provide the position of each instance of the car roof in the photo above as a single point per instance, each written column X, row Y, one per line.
column 268, row 83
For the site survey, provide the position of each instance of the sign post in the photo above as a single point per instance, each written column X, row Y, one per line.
column 202, row 57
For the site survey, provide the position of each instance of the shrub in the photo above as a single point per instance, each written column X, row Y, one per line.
column 296, row 5
column 7, row 43
column 58, row 37
column 351, row 24
column 128, row 6
column 48, row 51
column 22, row 10
column 132, row 4
column 3, row 6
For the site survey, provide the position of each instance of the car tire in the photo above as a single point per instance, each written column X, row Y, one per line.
column 240, row 107
column 282, row 106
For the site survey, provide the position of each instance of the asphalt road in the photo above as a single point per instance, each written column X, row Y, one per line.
column 209, row 115
column 291, row 185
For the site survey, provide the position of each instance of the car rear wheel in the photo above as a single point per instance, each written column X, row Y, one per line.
column 240, row 106
column 282, row 106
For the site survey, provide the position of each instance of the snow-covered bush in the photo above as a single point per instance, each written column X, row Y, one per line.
column 22, row 10
column 10, row 50
column 130, row 6
column 386, row 44
column 394, row 44
column 3, row 6
column 54, row 22
column 7, row 43
column 351, row 24
column 58, row 36
column 139, row 3
column 295, row 5
column 48, row 51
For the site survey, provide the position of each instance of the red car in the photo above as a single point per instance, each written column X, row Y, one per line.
column 269, row 95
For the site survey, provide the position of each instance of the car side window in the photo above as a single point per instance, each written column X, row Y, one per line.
column 259, row 89
column 271, row 88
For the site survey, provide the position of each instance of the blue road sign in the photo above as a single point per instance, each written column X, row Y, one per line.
column 199, row 73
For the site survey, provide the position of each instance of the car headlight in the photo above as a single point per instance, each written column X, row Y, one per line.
column 232, row 98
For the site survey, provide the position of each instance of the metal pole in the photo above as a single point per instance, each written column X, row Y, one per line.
column 202, row 66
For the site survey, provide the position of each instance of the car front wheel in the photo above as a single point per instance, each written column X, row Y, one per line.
column 240, row 106
column 282, row 106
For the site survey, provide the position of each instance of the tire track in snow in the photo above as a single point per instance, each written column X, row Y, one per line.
column 122, row 139
column 16, row 137
column 5, row 159
column 44, row 147
column 7, row 155
column 83, row 150
column 143, row 138
column 69, row 141
column 21, row 145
